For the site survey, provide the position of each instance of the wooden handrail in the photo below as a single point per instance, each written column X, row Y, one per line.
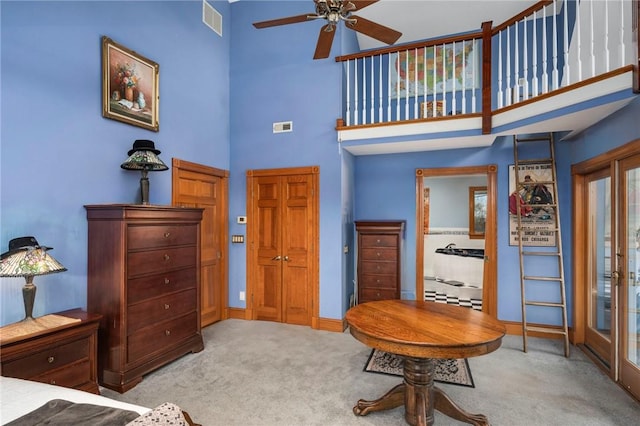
column 519, row 16
column 416, row 45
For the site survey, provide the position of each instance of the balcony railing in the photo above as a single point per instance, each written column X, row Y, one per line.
column 550, row 46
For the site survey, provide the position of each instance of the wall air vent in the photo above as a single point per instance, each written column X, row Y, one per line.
column 284, row 126
column 211, row 18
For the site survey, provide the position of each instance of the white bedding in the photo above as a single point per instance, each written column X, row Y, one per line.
column 19, row 397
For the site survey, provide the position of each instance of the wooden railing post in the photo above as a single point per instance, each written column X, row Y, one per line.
column 486, row 77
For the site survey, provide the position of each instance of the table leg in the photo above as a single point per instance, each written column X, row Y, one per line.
column 446, row 406
column 392, row 399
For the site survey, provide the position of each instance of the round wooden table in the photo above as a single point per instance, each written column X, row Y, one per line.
column 422, row 332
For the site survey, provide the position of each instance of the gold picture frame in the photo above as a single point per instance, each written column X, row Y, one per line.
column 129, row 86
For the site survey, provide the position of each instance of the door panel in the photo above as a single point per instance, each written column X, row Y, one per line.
column 630, row 282
column 268, row 291
column 298, row 193
column 601, row 245
column 196, row 185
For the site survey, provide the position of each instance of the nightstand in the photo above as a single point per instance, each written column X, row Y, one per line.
column 63, row 352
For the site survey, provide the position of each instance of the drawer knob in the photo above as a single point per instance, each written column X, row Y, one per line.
column 51, row 359
column 167, row 234
column 53, row 382
column 378, row 254
column 166, row 306
column 378, row 267
column 167, row 257
column 166, row 281
column 378, row 281
column 167, row 332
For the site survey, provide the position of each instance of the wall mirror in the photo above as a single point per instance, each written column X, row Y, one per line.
column 477, row 211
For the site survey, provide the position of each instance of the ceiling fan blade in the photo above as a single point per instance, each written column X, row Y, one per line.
column 361, row 4
column 372, row 29
column 282, row 21
column 325, row 40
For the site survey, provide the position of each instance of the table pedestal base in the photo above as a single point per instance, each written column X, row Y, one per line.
column 420, row 397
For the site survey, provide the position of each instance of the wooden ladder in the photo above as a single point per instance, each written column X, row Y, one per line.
column 538, row 214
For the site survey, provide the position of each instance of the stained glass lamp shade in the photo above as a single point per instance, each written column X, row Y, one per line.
column 26, row 258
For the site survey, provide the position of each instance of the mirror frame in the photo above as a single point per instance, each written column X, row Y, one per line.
column 474, row 193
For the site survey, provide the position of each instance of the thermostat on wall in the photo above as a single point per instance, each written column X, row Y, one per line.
column 283, row 126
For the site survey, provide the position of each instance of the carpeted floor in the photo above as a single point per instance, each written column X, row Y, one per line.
column 451, row 371
column 258, row 373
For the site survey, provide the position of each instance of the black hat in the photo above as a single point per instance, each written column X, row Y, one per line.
column 144, row 145
column 22, row 243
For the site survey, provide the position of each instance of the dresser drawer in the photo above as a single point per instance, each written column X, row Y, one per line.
column 155, row 236
column 379, row 254
column 47, row 359
column 73, row 376
column 378, row 281
column 369, row 295
column 156, row 261
column 378, row 241
column 148, row 287
column 161, row 337
column 372, row 267
column 160, row 309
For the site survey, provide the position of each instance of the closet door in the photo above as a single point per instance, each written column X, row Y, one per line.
column 282, row 251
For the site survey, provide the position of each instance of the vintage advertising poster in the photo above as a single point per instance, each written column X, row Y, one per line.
column 538, row 220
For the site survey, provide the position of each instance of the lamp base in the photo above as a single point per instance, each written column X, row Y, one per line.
column 144, row 189
column 29, row 297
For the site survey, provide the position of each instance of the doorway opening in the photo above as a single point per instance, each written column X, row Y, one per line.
column 456, row 251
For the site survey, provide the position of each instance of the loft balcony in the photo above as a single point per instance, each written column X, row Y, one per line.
column 559, row 66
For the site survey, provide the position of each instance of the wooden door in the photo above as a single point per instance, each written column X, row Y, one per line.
column 282, row 260
column 196, row 185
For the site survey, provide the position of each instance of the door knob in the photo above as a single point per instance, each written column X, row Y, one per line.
column 276, row 258
column 286, row 258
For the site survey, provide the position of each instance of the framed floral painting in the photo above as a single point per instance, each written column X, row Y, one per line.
column 129, row 86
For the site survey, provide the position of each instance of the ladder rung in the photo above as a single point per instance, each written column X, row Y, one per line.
column 534, row 139
column 540, row 253
column 552, row 330
column 534, row 278
column 547, row 304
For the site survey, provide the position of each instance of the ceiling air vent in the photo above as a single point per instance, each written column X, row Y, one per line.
column 211, row 17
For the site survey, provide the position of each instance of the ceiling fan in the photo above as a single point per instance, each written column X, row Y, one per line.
column 334, row 11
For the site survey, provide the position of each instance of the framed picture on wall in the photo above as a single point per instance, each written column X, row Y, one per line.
column 129, row 86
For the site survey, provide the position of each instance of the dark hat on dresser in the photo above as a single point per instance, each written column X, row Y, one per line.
column 22, row 243
column 144, row 145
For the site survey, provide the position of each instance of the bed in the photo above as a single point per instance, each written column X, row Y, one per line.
column 21, row 398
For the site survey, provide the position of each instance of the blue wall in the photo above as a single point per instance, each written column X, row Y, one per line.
column 219, row 98
column 57, row 151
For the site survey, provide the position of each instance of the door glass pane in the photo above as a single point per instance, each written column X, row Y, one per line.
column 600, row 239
column 633, row 267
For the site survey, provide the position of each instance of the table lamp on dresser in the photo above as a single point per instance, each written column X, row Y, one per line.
column 144, row 157
column 26, row 258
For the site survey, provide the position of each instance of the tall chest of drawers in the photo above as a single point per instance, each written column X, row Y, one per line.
column 379, row 259
column 144, row 279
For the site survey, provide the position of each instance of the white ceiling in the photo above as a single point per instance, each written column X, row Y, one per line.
column 426, row 19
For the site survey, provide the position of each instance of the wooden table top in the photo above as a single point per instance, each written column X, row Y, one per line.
column 425, row 329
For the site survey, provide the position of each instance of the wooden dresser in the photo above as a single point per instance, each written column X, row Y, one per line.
column 143, row 277
column 64, row 355
column 379, row 259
